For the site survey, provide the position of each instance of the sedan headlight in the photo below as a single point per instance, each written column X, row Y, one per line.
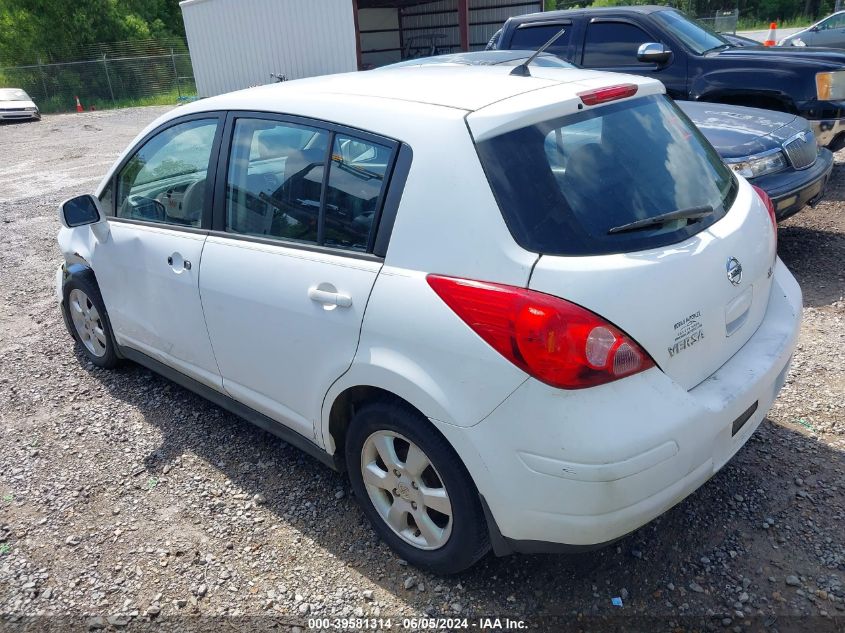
column 32, row 109
column 830, row 86
column 758, row 165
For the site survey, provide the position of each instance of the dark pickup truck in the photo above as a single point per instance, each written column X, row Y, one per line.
column 693, row 62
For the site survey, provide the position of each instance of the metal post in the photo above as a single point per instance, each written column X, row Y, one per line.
column 176, row 74
column 359, row 58
column 108, row 79
column 401, row 34
column 463, row 23
column 43, row 81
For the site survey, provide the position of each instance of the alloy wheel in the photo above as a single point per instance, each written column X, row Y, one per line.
column 406, row 490
column 87, row 322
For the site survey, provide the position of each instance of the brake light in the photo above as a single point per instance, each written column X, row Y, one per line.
column 610, row 93
column 555, row 341
column 770, row 208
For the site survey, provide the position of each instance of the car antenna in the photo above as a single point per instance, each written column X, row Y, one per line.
column 522, row 69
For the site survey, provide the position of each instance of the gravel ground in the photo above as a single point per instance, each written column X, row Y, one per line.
column 126, row 499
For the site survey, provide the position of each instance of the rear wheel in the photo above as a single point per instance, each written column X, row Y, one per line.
column 88, row 321
column 414, row 489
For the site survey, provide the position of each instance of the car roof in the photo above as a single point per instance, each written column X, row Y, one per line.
column 550, row 16
column 466, row 87
column 820, row 20
column 479, row 58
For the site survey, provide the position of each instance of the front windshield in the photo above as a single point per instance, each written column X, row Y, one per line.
column 13, row 94
column 694, row 34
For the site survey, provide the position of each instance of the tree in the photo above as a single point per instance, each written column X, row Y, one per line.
column 58, row 29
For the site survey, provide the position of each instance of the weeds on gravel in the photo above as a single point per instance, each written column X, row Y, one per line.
column 806, row 425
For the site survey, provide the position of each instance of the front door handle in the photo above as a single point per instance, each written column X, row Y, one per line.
column 186, row 264
column 329, row 298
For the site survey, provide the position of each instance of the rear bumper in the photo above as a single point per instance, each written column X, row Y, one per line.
column 572, row 470
column 792, row 190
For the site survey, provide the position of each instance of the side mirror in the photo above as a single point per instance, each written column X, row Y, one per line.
column 653, row 53
column 80, row 211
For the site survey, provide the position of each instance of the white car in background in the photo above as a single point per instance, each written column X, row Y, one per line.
column 16, row 105
column 531, row 312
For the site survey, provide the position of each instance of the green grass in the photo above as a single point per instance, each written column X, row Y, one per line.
column 68, row 104
column 754, row 24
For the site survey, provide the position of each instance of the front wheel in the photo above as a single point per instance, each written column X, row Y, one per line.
column 414, row 489
column 86, row 315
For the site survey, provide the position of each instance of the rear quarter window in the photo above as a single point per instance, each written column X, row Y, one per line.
column 565, row 184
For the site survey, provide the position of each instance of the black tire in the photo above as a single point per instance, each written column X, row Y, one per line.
column 469, row 539
column 85, row 282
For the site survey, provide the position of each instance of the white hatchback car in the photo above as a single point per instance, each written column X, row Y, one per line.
column 526, row 312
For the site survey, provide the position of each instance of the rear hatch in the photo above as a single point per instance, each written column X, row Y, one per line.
column 637, row 219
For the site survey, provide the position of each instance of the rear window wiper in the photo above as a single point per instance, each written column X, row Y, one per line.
column 693, row 213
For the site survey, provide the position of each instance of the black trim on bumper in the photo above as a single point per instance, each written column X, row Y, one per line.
column 806, row 185
column 504, row 546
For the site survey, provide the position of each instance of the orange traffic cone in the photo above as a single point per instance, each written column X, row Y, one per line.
column 79, row 107
column 770, row 38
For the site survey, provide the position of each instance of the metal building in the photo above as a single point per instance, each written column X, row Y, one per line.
column 239, row 43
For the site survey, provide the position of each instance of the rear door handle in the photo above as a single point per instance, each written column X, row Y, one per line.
column 329, row 298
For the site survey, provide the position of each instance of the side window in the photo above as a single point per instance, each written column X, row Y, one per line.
column 611, row 44
column 275, row 183
column 530, row 38
column 835, row 22
column 165, row 180
column 356, row 180
column 828, row 24
column 275, row 179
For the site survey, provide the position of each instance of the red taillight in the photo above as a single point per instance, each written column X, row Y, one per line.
column 553, row 340
column 610, row 93
column 769, row 207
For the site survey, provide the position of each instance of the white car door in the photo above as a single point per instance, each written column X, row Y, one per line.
column 288, row 270
column 159, row 201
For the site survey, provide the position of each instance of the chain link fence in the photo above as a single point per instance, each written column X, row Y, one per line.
column 721, row 21
column 120, row 74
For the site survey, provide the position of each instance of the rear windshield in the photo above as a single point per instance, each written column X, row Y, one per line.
column 568, row 186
